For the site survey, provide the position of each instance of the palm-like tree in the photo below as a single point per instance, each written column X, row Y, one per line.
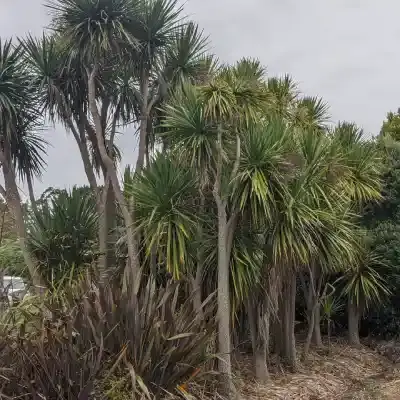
column 62, row 233
column 17, row 105
column 62, row 91
column 126, row 62
column 164, row 195
column 364, row 284
column 206, row 123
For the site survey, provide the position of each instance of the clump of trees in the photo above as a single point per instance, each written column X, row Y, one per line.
column 241, row 188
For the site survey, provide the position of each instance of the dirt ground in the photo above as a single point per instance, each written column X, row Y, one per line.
column 344, row 374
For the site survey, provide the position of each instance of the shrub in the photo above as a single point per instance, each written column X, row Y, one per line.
column 63, row 233
column 101, row 340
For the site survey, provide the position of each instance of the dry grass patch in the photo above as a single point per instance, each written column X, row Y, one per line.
column 347, row 373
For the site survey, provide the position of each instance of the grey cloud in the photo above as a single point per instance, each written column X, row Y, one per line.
column 343, row 50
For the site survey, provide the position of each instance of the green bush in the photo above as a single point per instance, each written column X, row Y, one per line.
column 62, row 235
column 12, row 259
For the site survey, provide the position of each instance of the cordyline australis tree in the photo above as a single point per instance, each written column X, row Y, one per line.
column 363, row 282
column 18, row 111
column 204, row 126
column 283, row 177
column 96, row 74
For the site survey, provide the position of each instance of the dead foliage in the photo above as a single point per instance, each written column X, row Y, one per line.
column 346, row 373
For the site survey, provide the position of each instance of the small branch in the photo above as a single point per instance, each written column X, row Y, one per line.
column 113, row 131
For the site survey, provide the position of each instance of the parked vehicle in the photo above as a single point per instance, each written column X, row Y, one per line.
column 14, row 288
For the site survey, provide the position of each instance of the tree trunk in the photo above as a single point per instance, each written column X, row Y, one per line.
column 103, row 230
column 80, row 138
column 311, row 329
column 277, row 329
column 289, row 303
column 13, row 200
column 259, row 332
column 112, row 173
column 260, row 359
column 111, row 215
column 31, row 193
column 317, row 337
column 354, row 322
column 224, row 310
column 312, row 299
column 197, row 280
column 196, row 283
column 144, row 114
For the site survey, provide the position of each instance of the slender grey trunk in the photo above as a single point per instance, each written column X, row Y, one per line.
column 223, row 293
column 110, row 215
column 311, row 327
column 289, row 303
column 31, row 192
column 144, row 115
column 103, row 230
column 354, row 316
column 251, row 315
column 3, row 216
column 81, row 141
column 317, row 337
column 13, row 200
column 198, row 278
column 259, row 321
column 224, row 334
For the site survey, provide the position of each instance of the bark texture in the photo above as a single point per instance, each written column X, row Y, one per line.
column 353, row 322
column 289, row 303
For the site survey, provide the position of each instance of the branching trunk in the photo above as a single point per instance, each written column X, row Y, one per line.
column 112, row 173
column 312, row 296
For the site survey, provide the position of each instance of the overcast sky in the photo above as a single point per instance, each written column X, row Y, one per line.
column 346, row 51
